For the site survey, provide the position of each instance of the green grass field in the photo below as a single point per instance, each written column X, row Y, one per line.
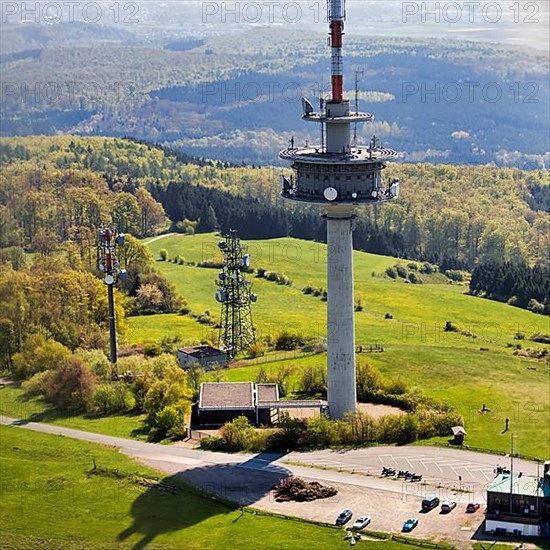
column 448, row 366
column 15, row 404
column 51, row 499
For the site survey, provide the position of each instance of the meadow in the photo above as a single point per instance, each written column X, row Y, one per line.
column 463, row 371
column 64, row 494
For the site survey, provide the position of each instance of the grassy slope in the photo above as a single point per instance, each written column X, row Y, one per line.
column 448, row 366
column 14, row 404
column 50, row 500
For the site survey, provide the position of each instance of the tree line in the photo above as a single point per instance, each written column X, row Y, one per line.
column 518, row 284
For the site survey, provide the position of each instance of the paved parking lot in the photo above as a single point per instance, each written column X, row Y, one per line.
column 440, row 467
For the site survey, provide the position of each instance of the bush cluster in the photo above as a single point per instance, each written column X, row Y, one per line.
column 86, row 382
column 321, row 432
column 274, row 277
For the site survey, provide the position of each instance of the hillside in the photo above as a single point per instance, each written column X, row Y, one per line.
column 453, row 215
column 465, row 370
column 242, row 104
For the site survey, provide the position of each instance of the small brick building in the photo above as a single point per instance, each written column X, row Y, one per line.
column 221, row 402
column 205, row 356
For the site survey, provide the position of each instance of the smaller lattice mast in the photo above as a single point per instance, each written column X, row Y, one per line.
column 234, row 294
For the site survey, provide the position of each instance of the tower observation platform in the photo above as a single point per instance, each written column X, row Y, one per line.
column 339, row 175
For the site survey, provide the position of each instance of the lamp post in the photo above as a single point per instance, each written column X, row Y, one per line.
column 108, row 243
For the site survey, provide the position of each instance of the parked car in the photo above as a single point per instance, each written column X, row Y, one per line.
column 448, row 506
column 429, row 503
column 410, row 524
column 361, row 522
column 472, row 507
column 344, row 517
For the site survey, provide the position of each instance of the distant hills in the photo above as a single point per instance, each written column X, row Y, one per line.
column 238, row 100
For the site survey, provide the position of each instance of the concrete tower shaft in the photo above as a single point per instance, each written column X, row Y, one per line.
column 342, row 395
column 339, row 177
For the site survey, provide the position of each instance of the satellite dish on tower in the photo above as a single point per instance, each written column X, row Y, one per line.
column 330, row 194
column 307, row 107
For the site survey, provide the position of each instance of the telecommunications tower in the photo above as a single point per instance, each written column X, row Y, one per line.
column 234, row 294
column 109, row 266
column 338, row 175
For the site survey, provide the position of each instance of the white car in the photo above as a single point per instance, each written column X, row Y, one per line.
column 361, row 522
column 448, row 506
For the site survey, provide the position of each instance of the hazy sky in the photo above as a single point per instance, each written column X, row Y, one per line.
column 521, row 22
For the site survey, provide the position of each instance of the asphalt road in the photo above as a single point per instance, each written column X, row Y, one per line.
column 247, row 479
column 441, row 467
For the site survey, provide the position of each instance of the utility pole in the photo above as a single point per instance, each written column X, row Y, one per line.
column 109, row 266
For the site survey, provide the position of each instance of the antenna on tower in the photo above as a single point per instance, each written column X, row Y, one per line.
column 107, row 245
column 234, row 294
column 358, row 73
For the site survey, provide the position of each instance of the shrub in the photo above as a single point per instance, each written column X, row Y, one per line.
column 256, row 350
column 313, row 381
column 401, row 271
column 163, row 254
column 73, row 385
column 412, row 266
column 211, row 264
column 236, row 433
column 111, row 398
column 535, row 306
column 540, row 338
column 139, row 388
column 289, row 341
column 396, row 387
column 38, row 354
column 427, row 268
column 172, row 389
column 39, row 384
column 391, row 272
column 455, row 275
column 369, row 380
column 169, row 422
column 413, row 278
column 400, row 429
column 308, row 290
column 186, row 227
column 388, row 316
column 261, row 272
column 98, row 362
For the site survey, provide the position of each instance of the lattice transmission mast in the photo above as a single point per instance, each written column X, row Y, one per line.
column 234, row 294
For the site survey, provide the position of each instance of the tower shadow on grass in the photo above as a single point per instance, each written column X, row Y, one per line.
column 194, row 495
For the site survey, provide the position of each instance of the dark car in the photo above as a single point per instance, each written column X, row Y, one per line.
column 472, row 507
column 344, row 517
column 410, row 524
column 429, row 503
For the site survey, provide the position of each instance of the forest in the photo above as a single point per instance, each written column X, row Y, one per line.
column 54, row 189
column 433, row 100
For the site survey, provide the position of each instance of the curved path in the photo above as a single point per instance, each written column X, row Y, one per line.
column 247, row 479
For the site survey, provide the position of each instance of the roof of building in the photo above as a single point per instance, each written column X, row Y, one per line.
column 226, row 395
column 200, row 352
column 267, row 392
column 522, row 485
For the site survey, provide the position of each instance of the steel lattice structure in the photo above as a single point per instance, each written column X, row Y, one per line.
column 234, row 294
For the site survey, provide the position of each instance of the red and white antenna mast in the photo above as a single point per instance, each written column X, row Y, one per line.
column 337, row 15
